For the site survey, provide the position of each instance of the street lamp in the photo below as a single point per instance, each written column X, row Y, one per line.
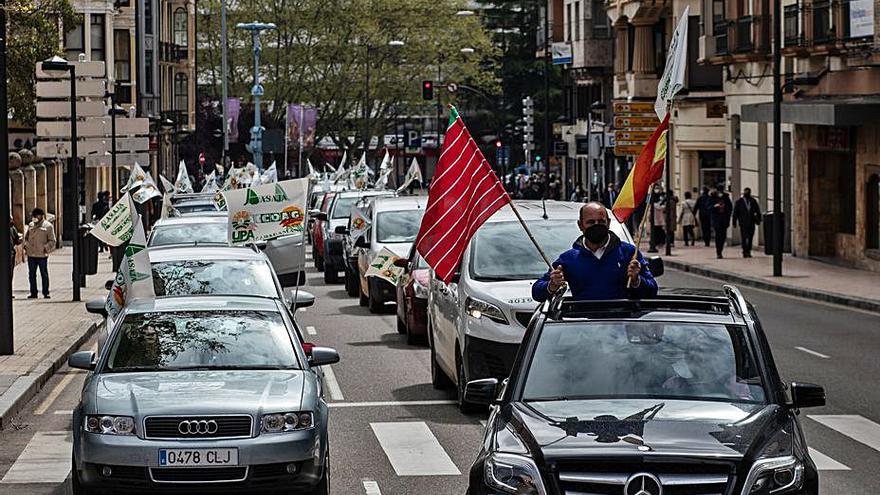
column 366, row 109
column 7, row 346
column 256, row 146
column 57, row 66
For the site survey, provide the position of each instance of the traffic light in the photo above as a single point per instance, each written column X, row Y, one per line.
column 497, row 143
column 528, row 123
column 427, row 90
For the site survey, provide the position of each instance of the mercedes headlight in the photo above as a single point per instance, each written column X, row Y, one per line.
column 110, row 425
column 481, row 309
column 512, row 473
column 289, row 421
column 774, row 475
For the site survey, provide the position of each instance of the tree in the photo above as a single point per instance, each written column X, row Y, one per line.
column 322, row 50
column 32, row 36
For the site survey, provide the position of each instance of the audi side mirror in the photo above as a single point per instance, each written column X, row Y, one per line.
column 82, row 360
column 807, row 395
column 322, row 356
column 96, row 306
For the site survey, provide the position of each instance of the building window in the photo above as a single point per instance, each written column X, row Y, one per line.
column 148, row 16
column 660, row 47
column 568, row 22
column 181, row 92
column 577, row 20
column 719, row 26
column 122, row 55
column 96, row 33
column 792, row 33
column 744, row 36
column 74, row 41
column 601, row 23
column 148, row 72
column 823, row 31
column 180, row 27
column 872, row 212
column 700, row 77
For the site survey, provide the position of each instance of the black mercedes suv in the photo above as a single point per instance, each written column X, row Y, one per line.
column 676, row 395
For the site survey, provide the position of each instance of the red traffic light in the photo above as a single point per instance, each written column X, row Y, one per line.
column 427, row 90
column 498, row 143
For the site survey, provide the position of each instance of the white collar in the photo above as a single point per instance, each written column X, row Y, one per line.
column 599, row 252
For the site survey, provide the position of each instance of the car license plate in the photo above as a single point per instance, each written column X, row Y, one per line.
column 198, row 457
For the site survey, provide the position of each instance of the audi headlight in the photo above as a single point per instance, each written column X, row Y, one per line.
column 512, row 473
column 774, row 475
column 288, row 421
column 110, row 425
column 481, row 309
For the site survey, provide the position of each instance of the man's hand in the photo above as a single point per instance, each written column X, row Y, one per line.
column 632, row 271
column 557, row 279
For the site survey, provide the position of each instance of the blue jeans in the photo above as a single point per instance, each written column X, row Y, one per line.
column 42, row 264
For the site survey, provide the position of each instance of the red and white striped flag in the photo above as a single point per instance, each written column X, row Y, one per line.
column 464, row 193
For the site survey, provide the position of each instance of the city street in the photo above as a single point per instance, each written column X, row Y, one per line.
column 392, row 433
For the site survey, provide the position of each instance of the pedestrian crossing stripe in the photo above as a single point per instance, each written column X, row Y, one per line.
column 825, row 463
column 859, row 428
column 413, row 450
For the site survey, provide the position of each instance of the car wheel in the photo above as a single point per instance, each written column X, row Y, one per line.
column 439, row 380
column 331, row 276
column 463, row 405
column 76, row 487
column 374, row 304
column 323, row 486
column 351, row 283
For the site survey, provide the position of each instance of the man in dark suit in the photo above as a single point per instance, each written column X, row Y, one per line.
column 703, row 207
column 720, row 216
column 747, row 214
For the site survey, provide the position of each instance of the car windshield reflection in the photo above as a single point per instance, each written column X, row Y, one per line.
column 201, row 233
column 201, row 277
column 398, row 226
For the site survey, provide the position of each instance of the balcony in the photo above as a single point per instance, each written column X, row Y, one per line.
column 719, row 30
column 170, row 52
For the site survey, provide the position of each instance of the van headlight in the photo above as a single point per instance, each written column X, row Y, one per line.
column 774, row 475
column 110, row 425
column 481, row 309
column 512, row 473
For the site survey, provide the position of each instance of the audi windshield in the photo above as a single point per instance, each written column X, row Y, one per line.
column 643, row 360
column 224, row 277
column 201, row 340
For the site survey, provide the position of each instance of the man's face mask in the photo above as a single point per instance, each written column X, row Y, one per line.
column 596, row 233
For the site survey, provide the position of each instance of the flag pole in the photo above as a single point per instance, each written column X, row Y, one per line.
column 648, row 204
column 529, row 233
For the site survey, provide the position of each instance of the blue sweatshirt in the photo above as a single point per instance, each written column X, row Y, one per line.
column 595, row 279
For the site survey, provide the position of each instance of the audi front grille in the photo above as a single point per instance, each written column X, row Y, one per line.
column 199, row 474
column 198, row 427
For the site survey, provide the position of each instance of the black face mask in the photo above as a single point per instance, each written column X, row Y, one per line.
column 596, row 233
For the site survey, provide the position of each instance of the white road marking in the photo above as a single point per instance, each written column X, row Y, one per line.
column 45, row 459
column 393, row 403
column 825, row 463
column 332, row 384
column 302, row 310
column 44, row 406
column 311, row 330
column 858, row 428
column 63, row 412
column 371, row 488
column 810, row 351
column 413, row 450
column 483, row 422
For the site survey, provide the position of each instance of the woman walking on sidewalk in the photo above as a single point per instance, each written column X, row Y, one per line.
column 688, row 219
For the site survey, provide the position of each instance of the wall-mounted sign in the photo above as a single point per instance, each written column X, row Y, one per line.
column 861, row 18
column 562, row 53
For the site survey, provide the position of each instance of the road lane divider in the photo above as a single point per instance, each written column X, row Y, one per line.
column 331, row 383
column 859, row 428
column 311, row 330
column 55, row 392
column 393, row 403
column 812, row 352
column 413, row 450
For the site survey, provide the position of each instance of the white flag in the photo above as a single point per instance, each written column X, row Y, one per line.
column 383, row 267
column 135, row 178
column 270, row 175
column 358, row 224
column 414, row 173
column 341, row 174
column 211, row 183
column 168, row 209
column 386, row 162
column 183, row 184
column 147, row 191
column 135, row 276
column 267, row 211
column 116, row 226
column 676, row 60
column 312, row 173
column 329, row 166
column 360, row 175
column 167, row 186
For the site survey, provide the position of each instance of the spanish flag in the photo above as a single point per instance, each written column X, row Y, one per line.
column 647, row 170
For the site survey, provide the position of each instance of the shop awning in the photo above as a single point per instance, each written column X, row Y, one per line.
column 830, row 112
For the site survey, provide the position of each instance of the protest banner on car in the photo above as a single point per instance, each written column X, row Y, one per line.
column 383, row 267
column 115, row 227
column 267, row 211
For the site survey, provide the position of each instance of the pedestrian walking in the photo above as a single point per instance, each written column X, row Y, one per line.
column 703, row 207
column 671, row 206
column 578, row 194
column 599, row 264
column 658, row 220
column 721, row 212
column 610, row 195
column 688, row 218
column 39, row 241
column 746, row 213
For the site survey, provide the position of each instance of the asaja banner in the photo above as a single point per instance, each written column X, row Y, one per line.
column 268, row 211
column 383, row 267
column 135, row 277
column 116, row 226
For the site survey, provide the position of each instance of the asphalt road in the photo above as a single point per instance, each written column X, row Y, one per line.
column 391, row 433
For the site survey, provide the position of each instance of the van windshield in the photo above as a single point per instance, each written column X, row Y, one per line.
column 503, row 251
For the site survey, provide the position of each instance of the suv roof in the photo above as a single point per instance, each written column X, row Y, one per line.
column 727, row 306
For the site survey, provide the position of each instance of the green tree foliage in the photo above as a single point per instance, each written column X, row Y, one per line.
column 319, row 55
column 32, row 35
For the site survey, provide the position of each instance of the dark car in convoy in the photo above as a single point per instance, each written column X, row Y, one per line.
column 412, row 297
column 669, row 396
column 320, row 216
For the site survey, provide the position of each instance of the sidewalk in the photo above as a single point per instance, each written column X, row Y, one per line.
column 46, row 330
column 801, row 277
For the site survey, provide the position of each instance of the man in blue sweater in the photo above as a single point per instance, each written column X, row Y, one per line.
column 598, row 265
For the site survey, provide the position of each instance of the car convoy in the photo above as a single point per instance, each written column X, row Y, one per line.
column 212, row 385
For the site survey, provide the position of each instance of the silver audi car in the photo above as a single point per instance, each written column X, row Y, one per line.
column 202, row 394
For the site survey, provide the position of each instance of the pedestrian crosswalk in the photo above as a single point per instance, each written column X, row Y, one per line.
column 410, row 447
